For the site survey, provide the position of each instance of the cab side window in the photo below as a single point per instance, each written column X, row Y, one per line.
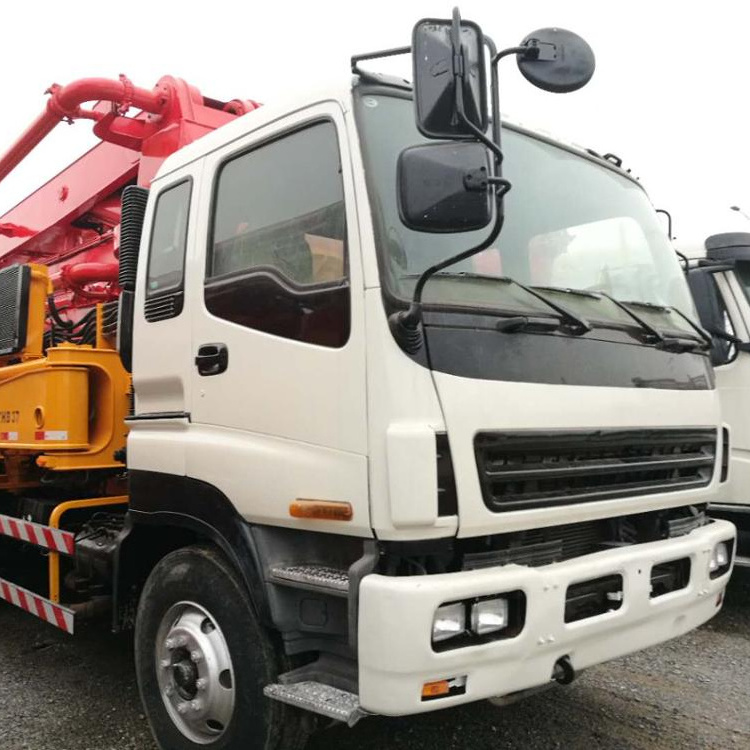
column 277, row 257
column 166, row 257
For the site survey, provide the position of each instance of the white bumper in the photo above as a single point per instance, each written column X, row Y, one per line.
column 395, row 622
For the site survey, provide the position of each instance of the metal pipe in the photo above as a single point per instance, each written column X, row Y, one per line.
column 65, row 103
column 54, row 522
column 89, row 273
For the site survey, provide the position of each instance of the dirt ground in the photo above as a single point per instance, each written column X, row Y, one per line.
column 61, row 693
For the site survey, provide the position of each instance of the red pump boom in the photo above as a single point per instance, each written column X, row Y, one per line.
column 69, row 224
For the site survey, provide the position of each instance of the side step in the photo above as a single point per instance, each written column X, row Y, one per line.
column 742, row 562
column 319, row 699
column 318, row 578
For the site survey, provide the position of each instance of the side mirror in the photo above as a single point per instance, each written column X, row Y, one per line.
column 443, row 187
column 435, row 46
column 557, row 60
column 713, row 316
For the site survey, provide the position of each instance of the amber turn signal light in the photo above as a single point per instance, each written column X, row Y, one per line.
column 321, row 510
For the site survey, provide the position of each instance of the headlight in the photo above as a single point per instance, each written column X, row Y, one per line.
column 489, row 616
column 720, row 559
column 449, row 621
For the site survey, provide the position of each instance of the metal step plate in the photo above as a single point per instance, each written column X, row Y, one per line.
column 314, row 577
column 320, row 699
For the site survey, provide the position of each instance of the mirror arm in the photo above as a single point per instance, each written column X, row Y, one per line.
column 356, row 59
column 742, row 346
column 530, row 52
column 405, row 324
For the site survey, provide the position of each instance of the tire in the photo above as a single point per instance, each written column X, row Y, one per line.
column 202, row 660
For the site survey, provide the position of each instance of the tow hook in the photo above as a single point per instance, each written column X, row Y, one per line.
column 563, row 672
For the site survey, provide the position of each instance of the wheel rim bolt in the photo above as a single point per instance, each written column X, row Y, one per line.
column 196, row 656
column 165, row 663
column 201, row 683
column 182, row 708
column 170, row 644
column 196, row 705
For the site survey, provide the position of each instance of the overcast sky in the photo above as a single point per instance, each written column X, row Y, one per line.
column 668, row 96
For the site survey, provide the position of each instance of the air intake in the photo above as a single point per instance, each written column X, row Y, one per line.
column 134, row 199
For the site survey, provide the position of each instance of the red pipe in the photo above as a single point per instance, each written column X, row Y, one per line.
column 89, row 273
column 65, row 102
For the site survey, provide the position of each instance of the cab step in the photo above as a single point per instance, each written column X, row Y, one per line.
column 742, row 562
column 320, row 578
column 319, row 699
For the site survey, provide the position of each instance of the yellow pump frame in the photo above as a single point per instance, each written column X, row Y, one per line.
column 66, row 407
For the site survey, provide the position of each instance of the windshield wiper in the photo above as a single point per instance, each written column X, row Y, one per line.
column 680, row 343
column 574, row 323
column 652, row 334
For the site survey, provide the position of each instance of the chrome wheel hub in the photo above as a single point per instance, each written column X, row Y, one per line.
column 194, row 672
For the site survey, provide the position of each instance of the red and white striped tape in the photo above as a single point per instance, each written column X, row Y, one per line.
column 9, row 437
column 51, row 435
column 35, row 533
column 54, row 614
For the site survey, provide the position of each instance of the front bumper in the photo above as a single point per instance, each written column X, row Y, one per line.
column 395, row 622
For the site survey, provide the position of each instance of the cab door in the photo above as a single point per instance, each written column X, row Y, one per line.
column 278, row 376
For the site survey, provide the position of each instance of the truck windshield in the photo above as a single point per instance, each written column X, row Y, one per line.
column 572, row 225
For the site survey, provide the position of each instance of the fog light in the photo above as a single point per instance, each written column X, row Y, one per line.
column 489, row 616
column 719, row 557
column 449, row 621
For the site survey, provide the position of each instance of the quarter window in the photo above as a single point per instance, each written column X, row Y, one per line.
column 166, row 261
column 277, row 255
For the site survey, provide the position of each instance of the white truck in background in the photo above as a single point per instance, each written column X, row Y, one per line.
column 718, row 272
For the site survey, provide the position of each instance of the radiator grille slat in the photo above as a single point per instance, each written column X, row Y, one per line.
column 531, row 470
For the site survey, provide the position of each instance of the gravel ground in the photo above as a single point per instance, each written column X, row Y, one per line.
column 61, row 693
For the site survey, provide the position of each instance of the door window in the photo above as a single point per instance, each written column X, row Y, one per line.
column 277, row 250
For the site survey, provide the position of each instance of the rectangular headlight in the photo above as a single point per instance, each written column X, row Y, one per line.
column 489, row 616
column 449, row 621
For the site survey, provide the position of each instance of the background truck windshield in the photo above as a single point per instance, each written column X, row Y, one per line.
column 570, row 223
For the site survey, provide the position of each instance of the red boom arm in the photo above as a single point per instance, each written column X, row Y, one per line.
column 69, row 223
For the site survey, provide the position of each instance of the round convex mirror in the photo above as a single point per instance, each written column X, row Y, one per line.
column 562, row 61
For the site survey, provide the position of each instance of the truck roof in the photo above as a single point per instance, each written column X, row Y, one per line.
column 266, row 114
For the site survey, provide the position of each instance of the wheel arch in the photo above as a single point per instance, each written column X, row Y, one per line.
column 167, row 512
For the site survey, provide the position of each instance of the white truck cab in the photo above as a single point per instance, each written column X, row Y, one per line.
column 521, row 498
column 453, row 426
column 718, row 270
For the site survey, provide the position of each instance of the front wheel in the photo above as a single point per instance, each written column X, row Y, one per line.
column 202, row 660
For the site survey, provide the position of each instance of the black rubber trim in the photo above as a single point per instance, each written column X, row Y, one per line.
column 152, row 415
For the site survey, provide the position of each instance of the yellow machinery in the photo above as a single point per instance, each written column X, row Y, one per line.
column 62, row 410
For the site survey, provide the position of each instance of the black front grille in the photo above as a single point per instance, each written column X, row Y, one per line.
column 525, row 470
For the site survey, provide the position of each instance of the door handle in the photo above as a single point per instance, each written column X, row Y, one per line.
column 212, row 359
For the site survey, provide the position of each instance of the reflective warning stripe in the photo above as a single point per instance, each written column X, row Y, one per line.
column 9, row 437
column 35, row 533
column 54, row 614
column 51, row 435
